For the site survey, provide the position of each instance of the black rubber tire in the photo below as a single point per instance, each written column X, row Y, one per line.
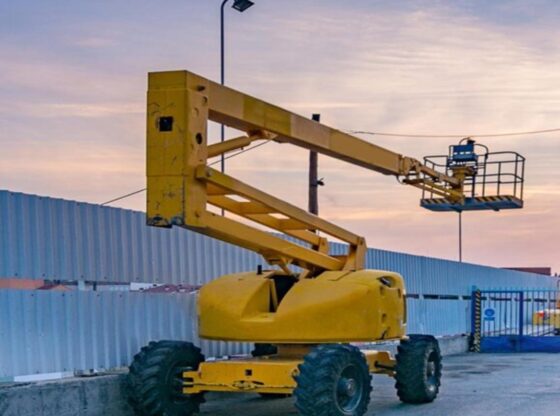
column 3, row 404
column 333, row 380
column 154, row 379
column 418, row 370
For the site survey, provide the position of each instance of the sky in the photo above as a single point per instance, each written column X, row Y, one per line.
column 73, row 83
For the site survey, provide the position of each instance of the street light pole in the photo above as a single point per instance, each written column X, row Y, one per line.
column 222, row 77
column 460, row 237
column 240, row 6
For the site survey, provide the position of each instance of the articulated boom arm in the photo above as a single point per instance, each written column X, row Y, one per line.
column 181, row 184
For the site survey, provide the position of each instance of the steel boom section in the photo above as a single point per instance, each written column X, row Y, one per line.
column 181, row 185
column 243, row 112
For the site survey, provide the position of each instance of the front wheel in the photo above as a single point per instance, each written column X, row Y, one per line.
column 333, row 380
column 155, row 380
column 418, row 370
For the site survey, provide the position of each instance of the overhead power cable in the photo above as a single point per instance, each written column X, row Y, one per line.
column 124, row 196
column 452, row 136
column 373, row 133
column 210, row 164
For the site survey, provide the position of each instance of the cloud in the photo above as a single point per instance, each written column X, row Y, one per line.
column 92, row 110
column 94, row 42
column 55, row 110
column 75, row 106
column 314, row 106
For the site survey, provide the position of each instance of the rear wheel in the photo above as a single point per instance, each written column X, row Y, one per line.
column 418, row 370
column 155, row 379
column 333, row 380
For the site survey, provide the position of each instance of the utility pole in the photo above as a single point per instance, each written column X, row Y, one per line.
column 314, row 182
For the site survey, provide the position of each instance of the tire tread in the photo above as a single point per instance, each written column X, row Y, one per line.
column 317, row 374
column 143, row 384
column 411, row 357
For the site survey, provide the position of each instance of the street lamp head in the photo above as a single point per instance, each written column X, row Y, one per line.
column 242, row 5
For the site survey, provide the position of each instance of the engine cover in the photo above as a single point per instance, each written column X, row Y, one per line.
column 336, row 306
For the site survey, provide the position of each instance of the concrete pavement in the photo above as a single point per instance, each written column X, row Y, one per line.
column 473, row 385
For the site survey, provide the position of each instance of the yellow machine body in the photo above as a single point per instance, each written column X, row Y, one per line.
column 336, row 306
column 262, row 375
column 332, row 298
column 270, row 374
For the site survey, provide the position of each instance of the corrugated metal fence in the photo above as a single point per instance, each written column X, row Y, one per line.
column 48, row 332
column 46, row 238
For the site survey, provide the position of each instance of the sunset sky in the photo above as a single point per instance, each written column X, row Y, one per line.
column 73, row 83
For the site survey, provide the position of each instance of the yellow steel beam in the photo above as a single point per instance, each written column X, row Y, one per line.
column 177, row 119
column 246, row 113
column 437, row 189
column 214, row 190
column 414, row 169
column 246, row 375
column 217, row 149
column 298, row 217
column 269, row 246
column 237, row 143
column 239, row 208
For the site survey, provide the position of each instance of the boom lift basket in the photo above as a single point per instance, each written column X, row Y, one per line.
column 493, row 180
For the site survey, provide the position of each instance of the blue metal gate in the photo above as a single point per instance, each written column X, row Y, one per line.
column 516, row 320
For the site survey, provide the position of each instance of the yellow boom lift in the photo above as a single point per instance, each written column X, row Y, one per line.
column 306, row 310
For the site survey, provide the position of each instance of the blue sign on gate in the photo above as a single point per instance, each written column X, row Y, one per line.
column 489, row 314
